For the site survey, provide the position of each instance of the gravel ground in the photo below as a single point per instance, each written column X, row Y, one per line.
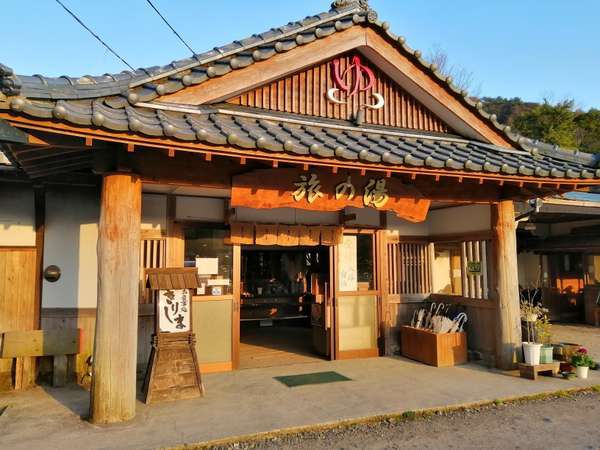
column 555, row 423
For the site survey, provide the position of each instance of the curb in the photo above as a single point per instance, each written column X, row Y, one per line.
column 404, row 416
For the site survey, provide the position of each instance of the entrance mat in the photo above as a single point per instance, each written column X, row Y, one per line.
column 311, row 378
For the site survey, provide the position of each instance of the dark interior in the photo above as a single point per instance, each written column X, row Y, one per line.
column 282, row 295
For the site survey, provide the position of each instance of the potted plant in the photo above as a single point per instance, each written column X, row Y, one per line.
column 582, row 362
column 531, row 312
column 543, row 336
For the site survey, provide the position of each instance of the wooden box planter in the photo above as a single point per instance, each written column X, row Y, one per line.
column 440, row 350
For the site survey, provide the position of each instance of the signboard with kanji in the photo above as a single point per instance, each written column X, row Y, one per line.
column 474, row 267
column 320, row 190
column 174, row 313
column 173, row 357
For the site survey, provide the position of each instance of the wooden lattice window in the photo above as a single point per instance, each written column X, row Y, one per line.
column 153, row 254
column 475, row 255
column 409, row 268
column 461, row 268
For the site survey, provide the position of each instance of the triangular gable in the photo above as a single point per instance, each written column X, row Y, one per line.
column 388, row 56
column 340, row 88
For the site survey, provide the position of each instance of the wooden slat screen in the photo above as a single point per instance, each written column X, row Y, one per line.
column 152, row 256
column 409, row 268
column 475, row 286
column 305, row 93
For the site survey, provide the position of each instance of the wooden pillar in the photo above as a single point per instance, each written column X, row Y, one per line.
column 508, row 322
column 113, row 394
column 175, row 237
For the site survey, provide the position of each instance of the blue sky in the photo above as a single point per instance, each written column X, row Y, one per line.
column 526, row 48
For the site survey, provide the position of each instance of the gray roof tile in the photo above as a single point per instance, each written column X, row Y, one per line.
column 109, row 101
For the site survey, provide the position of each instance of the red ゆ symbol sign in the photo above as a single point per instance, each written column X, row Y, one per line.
column 356, row 78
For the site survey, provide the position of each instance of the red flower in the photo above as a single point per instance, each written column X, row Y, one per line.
column 582, row 350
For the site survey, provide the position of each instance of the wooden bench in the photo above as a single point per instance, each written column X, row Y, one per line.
column 532, row 372
column 58, row 343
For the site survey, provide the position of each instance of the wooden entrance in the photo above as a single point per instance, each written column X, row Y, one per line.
column 18, row 310
column 357, row 296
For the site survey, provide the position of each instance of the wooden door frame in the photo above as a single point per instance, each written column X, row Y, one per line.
column 235, row 306
column 376, row 291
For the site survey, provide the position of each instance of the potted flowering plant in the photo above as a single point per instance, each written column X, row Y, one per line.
column 582, row 362
column 531, row 313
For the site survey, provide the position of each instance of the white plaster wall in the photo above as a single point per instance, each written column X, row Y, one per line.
column 529, row 269
column 71, row 235
column 557, row 229
column 368, row 217
column 17, row 215
column 286, row 216
column 459, row 219
column 154, row 212
column 204, row 209
column 442, row 281
column 406, row 228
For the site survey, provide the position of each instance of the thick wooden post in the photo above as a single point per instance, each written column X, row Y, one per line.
column 508, row 322
column 113, row 394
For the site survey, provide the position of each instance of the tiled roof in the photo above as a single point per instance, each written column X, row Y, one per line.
column 110, row 101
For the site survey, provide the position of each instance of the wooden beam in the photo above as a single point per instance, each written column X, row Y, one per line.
column 39, row 194
column 175, row 238
column 113, row 392
column 208, row 156
column 131, row 147
column 508, row 322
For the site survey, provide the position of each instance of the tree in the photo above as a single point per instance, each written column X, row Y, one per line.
column 554, row 124
column 588, row 131
column 461, row 77
column 507, row 109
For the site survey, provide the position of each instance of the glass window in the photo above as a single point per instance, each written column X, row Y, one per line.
column 205, row 248
column 447, row 269
column 355, row 254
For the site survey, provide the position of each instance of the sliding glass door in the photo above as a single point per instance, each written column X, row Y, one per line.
column 356, row 296
column 215, row 310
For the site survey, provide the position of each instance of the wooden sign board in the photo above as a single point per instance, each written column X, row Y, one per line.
column 320, row 190
column 174, row 311
column 16, row 344
column 474, row 268
column 173, row 371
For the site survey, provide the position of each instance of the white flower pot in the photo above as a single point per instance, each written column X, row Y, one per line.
column 531, row 353
column 582, row 372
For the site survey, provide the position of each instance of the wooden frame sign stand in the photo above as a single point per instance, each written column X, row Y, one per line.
column 173, row 372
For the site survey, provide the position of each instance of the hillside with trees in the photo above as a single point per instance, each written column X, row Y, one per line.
column 556, row 123
column 560, row 123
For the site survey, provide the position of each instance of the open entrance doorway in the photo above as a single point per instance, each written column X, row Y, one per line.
column 284, row 292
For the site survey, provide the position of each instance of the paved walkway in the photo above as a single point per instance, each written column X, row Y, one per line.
column 585, row 335
column 251, row 401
